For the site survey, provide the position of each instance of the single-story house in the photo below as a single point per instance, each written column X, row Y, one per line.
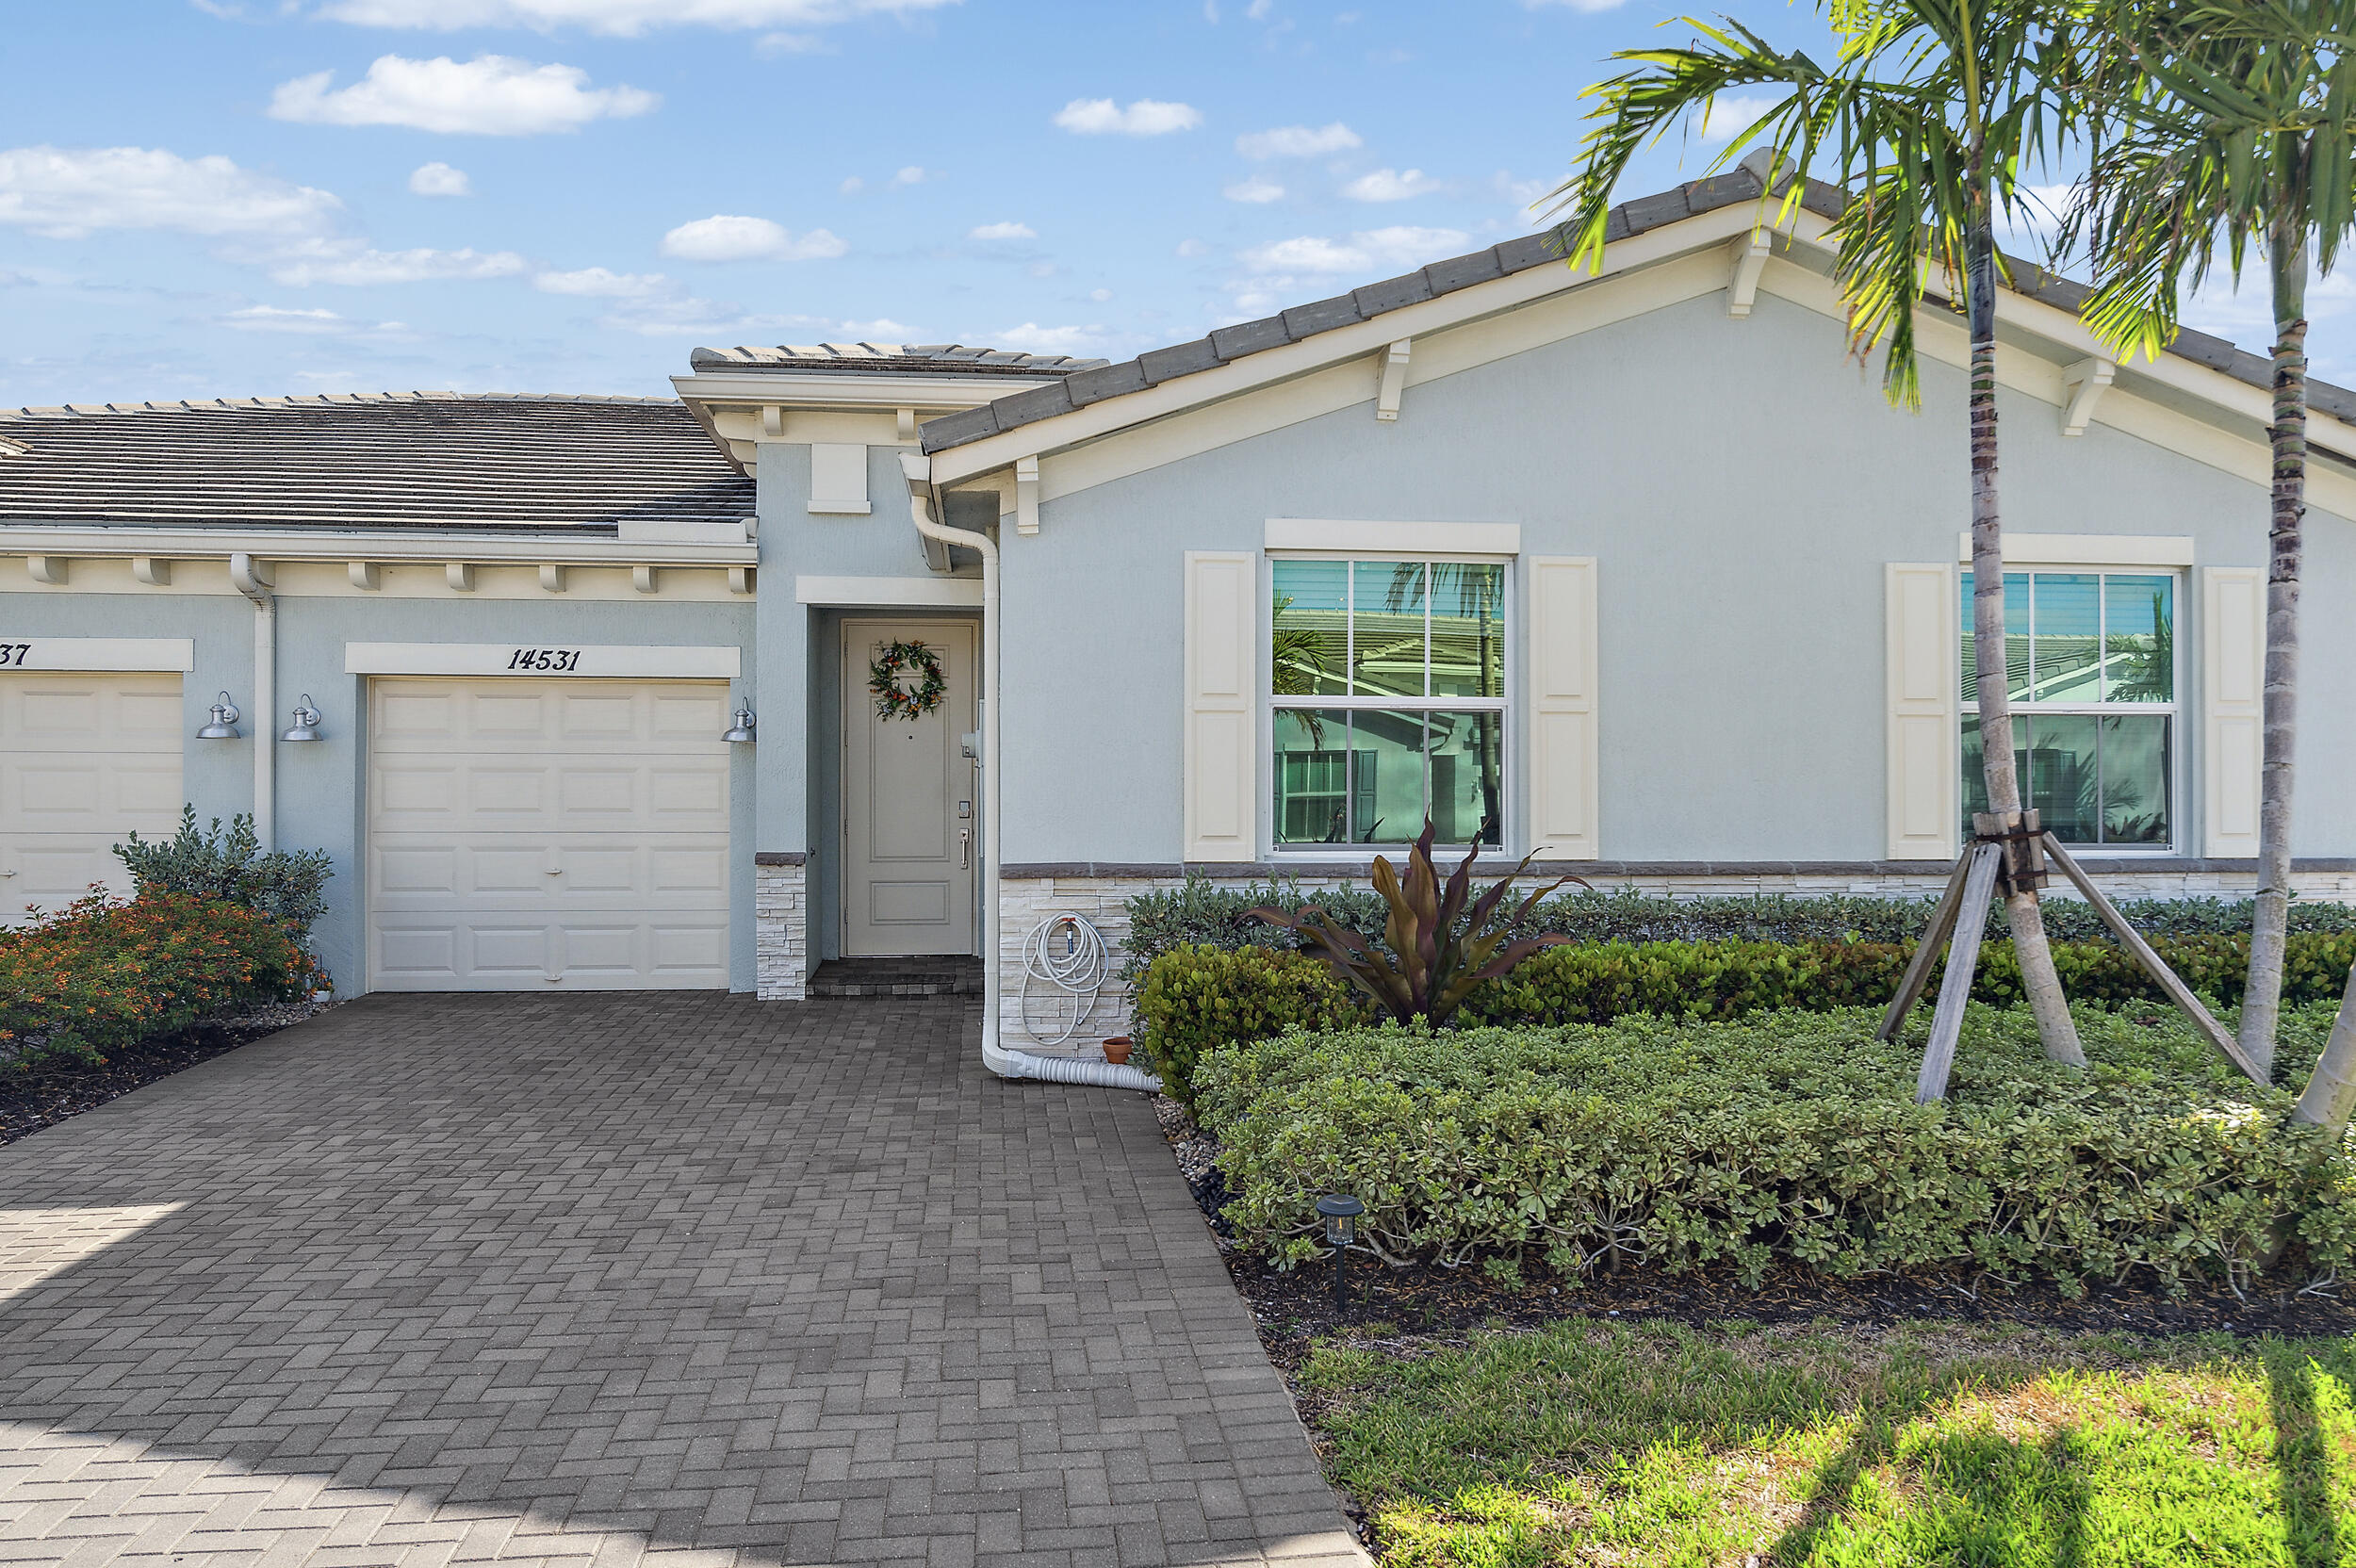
column 1636, row 570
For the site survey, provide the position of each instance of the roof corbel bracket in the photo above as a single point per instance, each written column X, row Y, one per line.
column 905, row 427
column 153, row 570
column 1747, row 257
column 46, row 568
column 459, row 574
column 1026, row 495
column 367, row 576
column 1393, row 382
column 643, row 579
column 551, row 577
column 773, row 421
column 2084, row 381
column 740, row 580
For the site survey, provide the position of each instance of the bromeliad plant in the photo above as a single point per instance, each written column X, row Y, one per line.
column 1440, row 946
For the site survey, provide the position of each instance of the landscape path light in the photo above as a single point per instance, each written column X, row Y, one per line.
column 223, row 726
column 1340, row 1213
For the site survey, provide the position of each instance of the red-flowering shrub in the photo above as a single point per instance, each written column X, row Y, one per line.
column 101, row 974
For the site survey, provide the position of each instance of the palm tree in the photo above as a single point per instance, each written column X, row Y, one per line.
column 2232, row 124
column 1929, row 116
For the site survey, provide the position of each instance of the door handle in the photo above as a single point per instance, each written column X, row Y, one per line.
column 965, row 849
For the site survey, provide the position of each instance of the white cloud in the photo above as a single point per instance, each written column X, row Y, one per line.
column 723, row 238
column 1145, row 116
column 1364, row 252
column 1522, row 193
column 1255, row 190
column 596, row 282
column 1731, row 113
column 1100, row 295
column 616, row 18
column 912, row 174
column 1030, row 337
column 356, row 263
column 1298, row 142
column 771, row 45
column 1003, row 231
column 491, row 95
column 851, row 187
column 439, row 179
column 309, row 323
column 1589, row 6
column 66, row 193
column 1193, row 248
column 1258, row 9
column 1389, row 185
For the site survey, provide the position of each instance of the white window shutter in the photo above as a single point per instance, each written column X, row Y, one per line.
column 838, row 479
column 1560, row 610
column 2233, row 686
column 1222, row 709
column 1925, row 701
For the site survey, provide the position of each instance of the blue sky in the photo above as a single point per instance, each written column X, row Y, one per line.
column 203, row 198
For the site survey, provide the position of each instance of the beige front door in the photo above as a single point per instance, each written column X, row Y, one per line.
column 911, row 813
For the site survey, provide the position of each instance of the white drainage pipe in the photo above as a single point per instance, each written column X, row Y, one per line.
column 1006, row 1063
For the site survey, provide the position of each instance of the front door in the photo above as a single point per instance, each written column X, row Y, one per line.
column 911, row 815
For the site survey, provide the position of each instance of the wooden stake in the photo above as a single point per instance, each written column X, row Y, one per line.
column 1963, row 956
column 2154, row 964
column 1918, row 973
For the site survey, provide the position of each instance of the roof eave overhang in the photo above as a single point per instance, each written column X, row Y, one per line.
column 424, row 543
column 2236, row 404
column 847, row 391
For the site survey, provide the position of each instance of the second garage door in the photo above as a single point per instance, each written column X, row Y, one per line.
column 548, row 834
column 85, row 760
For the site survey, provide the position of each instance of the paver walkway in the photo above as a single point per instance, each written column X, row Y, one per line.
column 610, row 1280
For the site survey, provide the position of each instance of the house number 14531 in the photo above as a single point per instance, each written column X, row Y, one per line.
column 556, row 659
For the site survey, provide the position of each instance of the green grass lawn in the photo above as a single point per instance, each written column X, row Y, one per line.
column 1655, row 1443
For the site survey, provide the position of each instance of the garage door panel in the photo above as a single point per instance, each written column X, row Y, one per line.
column 85, row 760
column 549, row 835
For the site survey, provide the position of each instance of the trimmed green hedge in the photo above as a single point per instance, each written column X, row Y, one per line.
column 1198, row 998
column 1202, row 914
column 1794, row 1136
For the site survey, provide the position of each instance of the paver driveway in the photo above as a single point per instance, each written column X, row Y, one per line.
column 621, row 1278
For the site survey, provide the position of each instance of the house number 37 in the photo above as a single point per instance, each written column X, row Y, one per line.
column 13, row 654
column 557, row 660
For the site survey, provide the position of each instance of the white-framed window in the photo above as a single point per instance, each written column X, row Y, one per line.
column 1387, row 700
column 2092, row 675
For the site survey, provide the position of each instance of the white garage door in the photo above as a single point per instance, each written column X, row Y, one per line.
column 548, row 834
column 85, row 760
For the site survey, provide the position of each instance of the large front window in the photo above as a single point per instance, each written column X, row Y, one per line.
column 2090, row 669
column 1388, row 690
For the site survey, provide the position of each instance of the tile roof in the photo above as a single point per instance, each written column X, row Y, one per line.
column 389, row 460
column 1743, row 182
column 890, row 359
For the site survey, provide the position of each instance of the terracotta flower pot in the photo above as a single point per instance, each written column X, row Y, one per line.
column 1117, row 1050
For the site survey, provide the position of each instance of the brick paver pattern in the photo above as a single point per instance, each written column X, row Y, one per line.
column 603, row 1280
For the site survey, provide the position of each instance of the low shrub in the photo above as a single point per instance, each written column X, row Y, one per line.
column 1786, row 1136
column 1694, row 981
column 1201, row 913
column 101, row 974
column 1596, row 983
column 288, row 886
column 1198, row 997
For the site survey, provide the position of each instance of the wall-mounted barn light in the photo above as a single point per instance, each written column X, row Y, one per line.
column 223, row 726
column 741, row 732
column 306, row 721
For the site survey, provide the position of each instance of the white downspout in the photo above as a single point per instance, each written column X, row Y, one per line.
column 252, row 579
column 1000, row 1060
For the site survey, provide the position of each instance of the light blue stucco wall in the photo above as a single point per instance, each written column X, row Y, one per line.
column 1741, row 484
column 320, row 793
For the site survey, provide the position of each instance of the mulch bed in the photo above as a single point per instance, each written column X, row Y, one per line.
column 34, row 1097
column 1293, row 1309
